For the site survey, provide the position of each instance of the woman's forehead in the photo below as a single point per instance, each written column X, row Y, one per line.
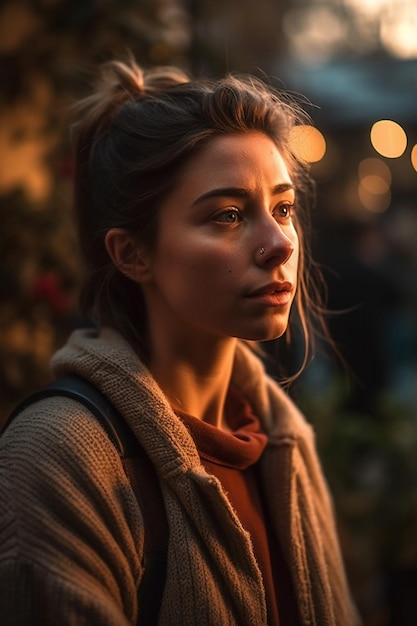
column 230, row 160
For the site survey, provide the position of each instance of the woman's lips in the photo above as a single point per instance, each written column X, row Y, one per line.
column 273, row 294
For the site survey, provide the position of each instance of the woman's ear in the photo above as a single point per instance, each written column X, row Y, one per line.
column 128, row 256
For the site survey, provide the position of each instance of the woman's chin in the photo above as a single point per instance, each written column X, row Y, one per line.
column 265, row 334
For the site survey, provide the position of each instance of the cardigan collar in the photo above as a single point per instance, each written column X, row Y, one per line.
column 106, row 359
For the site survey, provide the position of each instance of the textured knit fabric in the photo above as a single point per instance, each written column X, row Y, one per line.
column 71, row 531
column 232, row 458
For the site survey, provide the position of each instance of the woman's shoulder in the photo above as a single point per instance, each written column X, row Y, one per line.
column 57, row 441
column 57, row 460
column 49, row 424
column 66, row 506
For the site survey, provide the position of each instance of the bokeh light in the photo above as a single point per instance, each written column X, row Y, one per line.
column 414, row 157
column 314, row 32
column 388, row 138
column 307, row 143
column 398, row 30
column 367, row 7
column 374, row 194
column 374, row 184
column 373, row 167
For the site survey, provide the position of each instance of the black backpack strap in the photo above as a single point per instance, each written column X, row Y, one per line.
column 146, row 490
column 85, row 392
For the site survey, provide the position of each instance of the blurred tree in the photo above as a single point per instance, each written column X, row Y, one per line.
column 48, row 48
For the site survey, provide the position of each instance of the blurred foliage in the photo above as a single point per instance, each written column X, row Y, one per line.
column 370, row 460
column 48, row 52
column 38, row 279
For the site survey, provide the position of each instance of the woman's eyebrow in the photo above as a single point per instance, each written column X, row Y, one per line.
column 240, row 192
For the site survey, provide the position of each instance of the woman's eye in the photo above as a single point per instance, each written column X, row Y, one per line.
column 228, row 216
column 283, row 211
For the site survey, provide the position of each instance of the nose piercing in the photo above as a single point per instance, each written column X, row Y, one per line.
column 261, row 250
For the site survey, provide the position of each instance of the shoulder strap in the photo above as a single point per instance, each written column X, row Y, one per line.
column 146, row 490
column 85, row 392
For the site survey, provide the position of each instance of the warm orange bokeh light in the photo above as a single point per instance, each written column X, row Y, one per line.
column 388, row 138
column 375, row 184
column 374, row 167
column 308, row 143
column 414, row 157
column 372, row 195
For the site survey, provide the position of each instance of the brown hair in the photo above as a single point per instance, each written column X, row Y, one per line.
column 136, row 132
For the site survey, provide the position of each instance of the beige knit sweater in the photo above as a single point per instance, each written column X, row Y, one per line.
column 71, row 532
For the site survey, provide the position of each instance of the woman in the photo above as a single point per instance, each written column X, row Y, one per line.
column 190, row 209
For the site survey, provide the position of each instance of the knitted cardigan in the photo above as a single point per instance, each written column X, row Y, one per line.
column 72, row 534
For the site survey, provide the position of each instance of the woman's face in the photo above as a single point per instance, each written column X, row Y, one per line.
column 226, row 258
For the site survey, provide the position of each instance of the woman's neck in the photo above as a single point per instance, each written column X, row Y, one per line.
column 195, row 378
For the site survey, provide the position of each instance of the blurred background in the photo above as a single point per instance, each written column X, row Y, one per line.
column 356, row 62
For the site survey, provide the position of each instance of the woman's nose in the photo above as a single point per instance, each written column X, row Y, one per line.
column 275, row 246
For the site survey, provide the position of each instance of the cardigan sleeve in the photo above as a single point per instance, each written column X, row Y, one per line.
column 71, row 533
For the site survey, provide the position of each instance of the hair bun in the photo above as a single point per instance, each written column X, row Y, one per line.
column 120, row 82
column 122, row 79
column 129, row 80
